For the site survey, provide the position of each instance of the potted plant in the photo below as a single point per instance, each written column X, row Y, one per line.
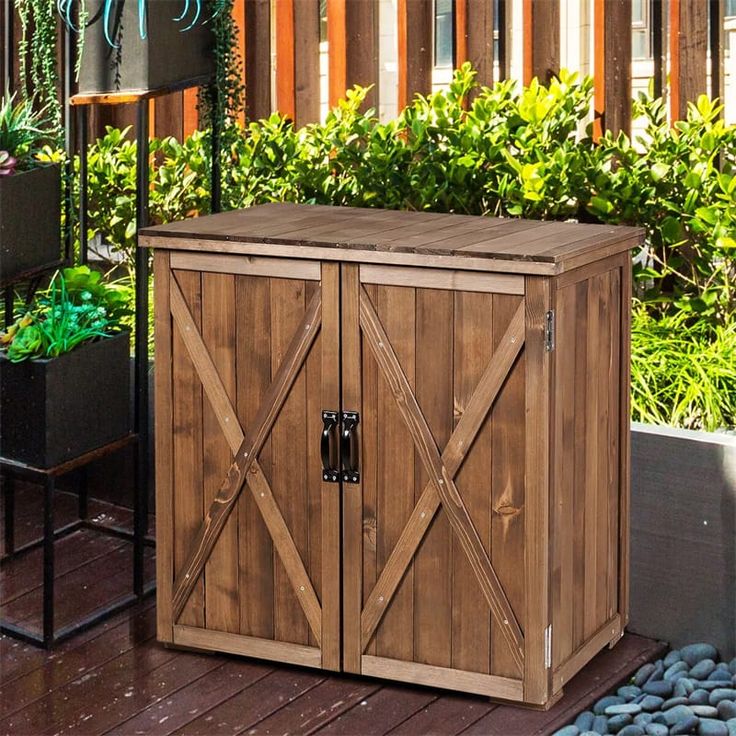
column 130, row 45
column 65, row 371
column 30, row 191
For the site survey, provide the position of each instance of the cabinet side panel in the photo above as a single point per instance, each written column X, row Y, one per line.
column 253, row 320
column 587, row 461
column 187, row 446
column 222, row 611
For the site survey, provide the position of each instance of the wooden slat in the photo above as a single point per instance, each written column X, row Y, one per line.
column 688, row 54
column 222, row 611
column 717, row 48
column 330, row 492
column 435, row 278
column 451, row 500
column 473, row 624
column 164, row 447
column 507, row 485
column 541, row 39
column 306, row 62
column 244, row 458
column 253, row 315
column 257, row 58
column 474, row 37
column 445, row 677
column 169, row 116
column 612, row 66
column 453, row 456
column 396, row 468
column 352, row 35
column 285, row 52
column 352, row 507
column 222, row 641
column 414, row 29
column 434, row 381
column 536, row 552
column 187, row 441
column 247, row 266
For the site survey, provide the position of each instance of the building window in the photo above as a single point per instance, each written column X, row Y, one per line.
column 444, row 45
column 641, row 31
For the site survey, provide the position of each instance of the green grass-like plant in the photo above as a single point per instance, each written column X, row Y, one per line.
column 23, row 131
column 683, row 372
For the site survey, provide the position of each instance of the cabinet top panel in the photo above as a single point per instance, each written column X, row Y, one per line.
column 388, row 236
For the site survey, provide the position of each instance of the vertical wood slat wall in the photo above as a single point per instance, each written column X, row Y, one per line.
column 281, row 39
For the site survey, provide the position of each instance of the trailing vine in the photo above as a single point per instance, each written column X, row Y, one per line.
column 221, row 102
column 37, row 59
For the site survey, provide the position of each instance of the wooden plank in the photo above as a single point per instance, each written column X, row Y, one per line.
column 717, row 48
column 352, row 36
column 625, row 441
column 474, row 37
column 462, row 524
column 612, row 66
column 688, row 54
column 462, row 439
column 288, row 457
column 506, row 533
column 352, row 507
column 253, row 314
column 611, row 630
column 449, row 714
column 306, row 62
column 204, row 694
column 539, row 380
column 250, row 706
column 187, row 448
column 444, row 677
column 228, row 494
column 247, row 266
column 285, row 57
column 541, row 39
column 434, row 379
column 257, row 58
column 472, row 622
column 330, row 517
column 222, row 641
column 222, row 610
column 414, row 32
column 435, row 278
column 169, row 116
column 164, row 446
column 396, row 466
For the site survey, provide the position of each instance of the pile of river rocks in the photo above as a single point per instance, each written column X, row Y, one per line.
column 690, row 691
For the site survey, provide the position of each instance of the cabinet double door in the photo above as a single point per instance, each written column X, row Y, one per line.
column 341, row 467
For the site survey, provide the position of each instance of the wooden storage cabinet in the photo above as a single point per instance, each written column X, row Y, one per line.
column 476, row 537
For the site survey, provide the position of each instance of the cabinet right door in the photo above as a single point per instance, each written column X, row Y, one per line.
column 436, row 545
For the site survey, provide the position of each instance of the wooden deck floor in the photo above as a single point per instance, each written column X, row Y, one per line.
column 116, row 679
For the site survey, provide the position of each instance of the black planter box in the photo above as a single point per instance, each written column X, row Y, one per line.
column 30, row 221
column 167, row 56
column 53, row 410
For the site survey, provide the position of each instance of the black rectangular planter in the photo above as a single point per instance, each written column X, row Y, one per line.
column 168, row 55
column 53, row 410
column 30, row 221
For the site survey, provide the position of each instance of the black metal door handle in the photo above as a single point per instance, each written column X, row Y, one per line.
column 348, row 447
column 330, row 473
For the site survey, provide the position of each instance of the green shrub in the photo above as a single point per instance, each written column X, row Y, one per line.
column 683, row 372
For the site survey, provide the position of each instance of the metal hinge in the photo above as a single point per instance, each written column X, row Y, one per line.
column 548, row 647
column 549, row 331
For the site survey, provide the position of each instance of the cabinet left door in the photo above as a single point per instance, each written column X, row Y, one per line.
column 248, row 534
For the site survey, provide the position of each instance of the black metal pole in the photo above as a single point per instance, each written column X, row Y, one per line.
column 48, row 560
column 141, row 352
column 82, row 125
column 216, row 145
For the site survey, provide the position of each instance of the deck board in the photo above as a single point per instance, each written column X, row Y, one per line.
column 116, row 679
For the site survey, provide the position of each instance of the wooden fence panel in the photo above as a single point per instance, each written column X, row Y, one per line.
column 612, row 65
column 352, row 37
column 414, row 30
column 257, row 58
column 474, row 37
column 541, row 35
column 688, row 53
